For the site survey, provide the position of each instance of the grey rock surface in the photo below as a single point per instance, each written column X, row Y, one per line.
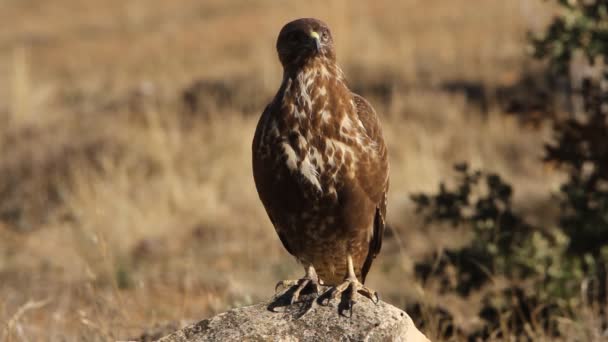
column 308, row 320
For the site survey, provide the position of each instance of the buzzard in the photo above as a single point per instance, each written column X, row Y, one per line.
column 320, row 166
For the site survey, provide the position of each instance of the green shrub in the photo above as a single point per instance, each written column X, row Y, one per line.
column 582, row 25
column 580, row 146
column 502, row 244
column 496, row 229
column 545, row 266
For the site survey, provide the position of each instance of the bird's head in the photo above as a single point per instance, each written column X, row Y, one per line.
column 302, row 40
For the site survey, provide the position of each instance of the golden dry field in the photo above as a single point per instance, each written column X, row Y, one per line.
column 126, row 194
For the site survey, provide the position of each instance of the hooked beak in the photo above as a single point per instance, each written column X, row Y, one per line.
column 316, row 41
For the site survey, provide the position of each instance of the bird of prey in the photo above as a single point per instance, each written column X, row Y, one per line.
column 320, row 166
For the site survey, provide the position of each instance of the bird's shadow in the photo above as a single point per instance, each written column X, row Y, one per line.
column 308, row 301
column 282, row 302
column 345, row 305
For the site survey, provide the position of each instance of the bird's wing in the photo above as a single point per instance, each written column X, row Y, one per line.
column 375, row 243
column 281, row 235
column 259, row 131
column 377, row 180
column 259, row 178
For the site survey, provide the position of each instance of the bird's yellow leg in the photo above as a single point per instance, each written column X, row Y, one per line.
column 310, row 279
column 351, row 282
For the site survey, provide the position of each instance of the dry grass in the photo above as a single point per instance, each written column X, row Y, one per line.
column 118, row 211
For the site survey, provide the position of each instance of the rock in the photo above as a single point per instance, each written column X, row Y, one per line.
column 309, row 320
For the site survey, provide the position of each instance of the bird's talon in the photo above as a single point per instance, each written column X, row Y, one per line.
column 354, row 287
column 377, row 298
column 297, row 286
column 335, row 294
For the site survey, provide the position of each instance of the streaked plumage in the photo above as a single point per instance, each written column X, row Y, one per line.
column 319, row 160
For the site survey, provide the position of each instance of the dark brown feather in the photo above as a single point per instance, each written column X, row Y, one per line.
column 370, row 121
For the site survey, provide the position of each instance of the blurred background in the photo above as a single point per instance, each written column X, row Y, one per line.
column 127, row 203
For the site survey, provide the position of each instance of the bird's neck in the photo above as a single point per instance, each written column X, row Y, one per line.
column 308, row 91
column 321, row 66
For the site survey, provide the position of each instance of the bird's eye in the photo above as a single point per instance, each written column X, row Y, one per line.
column 325, row 36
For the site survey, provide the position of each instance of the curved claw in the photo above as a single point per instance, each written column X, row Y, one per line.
column 377, row 295
column 354, row 287
column 372, row 295
column 285, row 283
